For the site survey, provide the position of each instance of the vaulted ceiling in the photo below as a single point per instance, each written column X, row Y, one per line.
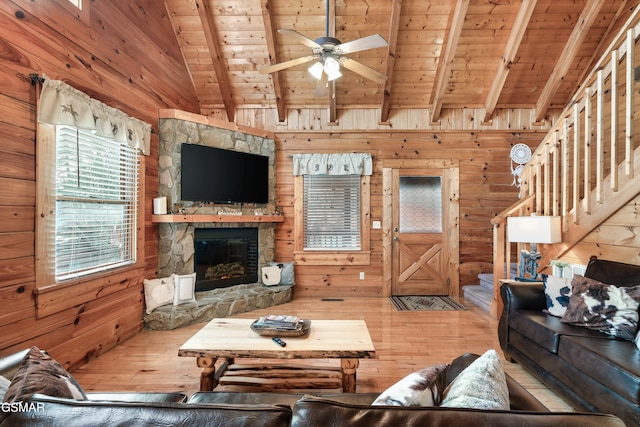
column 441, row 54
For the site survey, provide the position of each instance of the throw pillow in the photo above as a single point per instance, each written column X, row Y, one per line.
column 606, row 308
column 557, row 290
column 421, row 388
column 40, row 373
column 287, row 274
column 158, row 292
column 185, row 288
column 481, row 385
column 4, row 385
column 638, row 340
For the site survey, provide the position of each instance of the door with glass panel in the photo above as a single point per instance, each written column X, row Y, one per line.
column 424, row 232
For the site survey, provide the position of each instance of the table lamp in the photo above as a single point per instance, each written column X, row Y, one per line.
column 532, row 229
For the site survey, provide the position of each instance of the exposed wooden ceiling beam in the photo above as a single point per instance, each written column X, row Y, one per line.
column 511, row 49
column 605, row 38
column 270, row 31
column 568, row 54
column 216, row 56
column 391, row 59
column 446, row 59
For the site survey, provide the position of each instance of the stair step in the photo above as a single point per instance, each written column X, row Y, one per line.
column 478, row 295
column 486, row 281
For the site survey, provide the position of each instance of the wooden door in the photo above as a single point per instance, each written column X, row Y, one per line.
column 424, row 231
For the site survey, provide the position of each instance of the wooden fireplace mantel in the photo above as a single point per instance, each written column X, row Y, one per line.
column 178, row 218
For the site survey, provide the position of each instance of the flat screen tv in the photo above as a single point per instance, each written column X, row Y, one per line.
column 223, row 176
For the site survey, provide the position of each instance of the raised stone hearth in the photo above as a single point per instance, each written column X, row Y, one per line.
column 217, row 303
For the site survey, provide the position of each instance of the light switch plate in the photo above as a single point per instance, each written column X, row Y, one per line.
column 376, row 225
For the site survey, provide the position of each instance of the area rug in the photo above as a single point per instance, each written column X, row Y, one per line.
column 423, row 303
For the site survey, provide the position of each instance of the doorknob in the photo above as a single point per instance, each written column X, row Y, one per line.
column 396, row 238
column 395, row 230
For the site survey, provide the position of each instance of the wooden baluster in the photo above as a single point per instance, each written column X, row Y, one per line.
column 628, row 149
column 576, row 161
column 565, row 174
column 586, row 201
column 546, row 177
column 599, row 133
column 614, row 120
column 556, row 175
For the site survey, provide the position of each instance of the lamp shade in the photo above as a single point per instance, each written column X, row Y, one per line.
column 534, row 229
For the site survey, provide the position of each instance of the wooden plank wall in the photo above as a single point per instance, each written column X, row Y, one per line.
column 91, row 53
column 485, row 190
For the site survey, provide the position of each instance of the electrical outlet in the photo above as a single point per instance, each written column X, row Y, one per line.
column 362, row 275
column 376, row 225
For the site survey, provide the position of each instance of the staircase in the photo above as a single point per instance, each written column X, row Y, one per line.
column 588, row 165
column 481, row 295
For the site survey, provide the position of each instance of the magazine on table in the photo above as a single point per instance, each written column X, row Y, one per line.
column 279, row 321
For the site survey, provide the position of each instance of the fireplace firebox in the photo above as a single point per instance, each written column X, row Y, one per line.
column 225, row 257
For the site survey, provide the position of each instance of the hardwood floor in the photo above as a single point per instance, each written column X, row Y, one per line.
column 405, row 341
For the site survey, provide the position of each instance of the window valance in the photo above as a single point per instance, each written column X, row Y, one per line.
column 61, row 104
column 333, row 164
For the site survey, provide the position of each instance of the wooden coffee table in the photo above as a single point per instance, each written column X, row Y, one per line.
column 347, row 340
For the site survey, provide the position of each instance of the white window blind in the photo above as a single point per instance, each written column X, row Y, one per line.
column 331, row 212
column 96, row 203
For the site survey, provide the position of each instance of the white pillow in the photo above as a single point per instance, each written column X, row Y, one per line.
column 185, row 288
column 638, row 340
column 158, row 292
column 4, row 385
column 421, row 388
column 481, row 385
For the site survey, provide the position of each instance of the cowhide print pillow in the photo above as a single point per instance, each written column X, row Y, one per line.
column 40, row 373
column 481, row 385
column 421, row 388
column 557, row 291
column 606, row 308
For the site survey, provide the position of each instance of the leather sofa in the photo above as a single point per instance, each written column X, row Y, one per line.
column 591, row 370
column 278, row 409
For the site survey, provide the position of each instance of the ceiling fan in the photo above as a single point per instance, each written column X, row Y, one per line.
column 327, row 55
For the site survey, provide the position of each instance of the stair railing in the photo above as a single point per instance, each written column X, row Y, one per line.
column 586, row 167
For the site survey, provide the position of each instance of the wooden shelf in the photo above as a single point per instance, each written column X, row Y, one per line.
column 177, row 218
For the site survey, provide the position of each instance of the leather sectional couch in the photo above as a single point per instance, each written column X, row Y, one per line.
column 591, row 370
column 273, row 409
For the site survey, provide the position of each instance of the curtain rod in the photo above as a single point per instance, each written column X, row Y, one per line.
column 35, row 78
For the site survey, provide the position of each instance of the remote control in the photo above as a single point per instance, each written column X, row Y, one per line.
column 279, row 341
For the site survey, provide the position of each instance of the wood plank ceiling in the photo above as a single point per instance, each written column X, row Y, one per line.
column 441, row 54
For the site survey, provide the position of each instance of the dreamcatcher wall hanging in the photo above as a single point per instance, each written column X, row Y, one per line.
column 520, row 155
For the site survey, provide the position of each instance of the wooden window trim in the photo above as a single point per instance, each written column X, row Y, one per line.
column 82, row 14
column 63, row 295
column 310, row 257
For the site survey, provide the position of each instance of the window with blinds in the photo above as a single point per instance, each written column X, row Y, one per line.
column 331, row 212
column 96, row 199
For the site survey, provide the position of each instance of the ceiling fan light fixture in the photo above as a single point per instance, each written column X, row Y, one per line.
column 332, row 68
column 316, row 70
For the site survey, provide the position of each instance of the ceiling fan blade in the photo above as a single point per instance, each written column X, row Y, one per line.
column 300, row 38
column 286, row 64
column 321, row 86
column 365, row 43
column 363, row 70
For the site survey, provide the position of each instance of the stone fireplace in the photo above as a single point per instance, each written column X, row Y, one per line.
column 177, row 240
column 237, row 289
column 225, row 257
